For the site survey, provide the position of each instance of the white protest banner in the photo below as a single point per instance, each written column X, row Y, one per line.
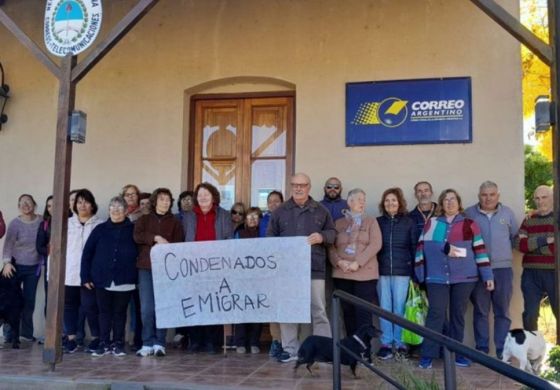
column 232, row 281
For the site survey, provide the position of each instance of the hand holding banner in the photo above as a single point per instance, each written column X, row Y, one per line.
column 232, row 281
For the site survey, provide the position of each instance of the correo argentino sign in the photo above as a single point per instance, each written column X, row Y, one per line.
column 71, row 26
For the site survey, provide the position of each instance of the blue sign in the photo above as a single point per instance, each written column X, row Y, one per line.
column 409, row 112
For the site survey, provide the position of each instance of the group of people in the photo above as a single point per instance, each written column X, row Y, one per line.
column 456, row 255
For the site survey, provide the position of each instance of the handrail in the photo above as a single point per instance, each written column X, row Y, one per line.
column 450, row 346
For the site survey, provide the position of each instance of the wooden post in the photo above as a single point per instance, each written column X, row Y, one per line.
column 554, row 36
column 52, row 352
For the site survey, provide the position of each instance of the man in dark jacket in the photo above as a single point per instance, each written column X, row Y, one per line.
column 302, row 216
column 333, row 199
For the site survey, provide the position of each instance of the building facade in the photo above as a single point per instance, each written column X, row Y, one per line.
column 243, row 93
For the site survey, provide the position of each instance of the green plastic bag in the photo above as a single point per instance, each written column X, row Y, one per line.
column 416, row 310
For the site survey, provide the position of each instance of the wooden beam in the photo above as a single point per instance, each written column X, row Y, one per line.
column 554, row 34
column 515, row 28
column 114, row 37
column 52, row 352
column 29, row 43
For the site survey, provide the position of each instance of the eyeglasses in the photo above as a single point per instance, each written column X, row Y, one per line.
column 116, row 207
column 252, row 216
column 332, row 187
column 237, row 212
column 299, row 185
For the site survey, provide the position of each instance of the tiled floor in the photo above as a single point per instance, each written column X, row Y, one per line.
column 178, row 370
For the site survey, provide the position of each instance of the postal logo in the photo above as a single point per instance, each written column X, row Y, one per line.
column 391, row 112
column 71, row 26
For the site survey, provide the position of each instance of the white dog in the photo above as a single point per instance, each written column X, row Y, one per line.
column 528, row 347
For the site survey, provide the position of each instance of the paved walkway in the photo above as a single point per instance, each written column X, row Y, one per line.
column 23, row 369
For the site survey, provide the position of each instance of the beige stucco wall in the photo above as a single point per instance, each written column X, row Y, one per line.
column 137, row 97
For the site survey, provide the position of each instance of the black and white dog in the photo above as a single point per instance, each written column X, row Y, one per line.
column 320, row 348
column 528, row 347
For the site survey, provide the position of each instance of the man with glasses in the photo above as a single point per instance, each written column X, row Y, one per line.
column 333, row 200
column 301, row 215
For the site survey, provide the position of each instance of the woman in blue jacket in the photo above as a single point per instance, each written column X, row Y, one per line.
column 396, row 266
column 109, row 265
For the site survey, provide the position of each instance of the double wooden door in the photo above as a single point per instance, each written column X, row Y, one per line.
column 244, row 146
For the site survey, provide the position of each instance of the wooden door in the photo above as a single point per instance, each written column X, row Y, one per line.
column 244, row 146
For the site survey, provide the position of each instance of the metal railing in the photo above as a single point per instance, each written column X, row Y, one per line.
column 450, row 347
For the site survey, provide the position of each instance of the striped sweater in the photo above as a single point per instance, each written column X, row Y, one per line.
column 433, row 265
column 531, row 240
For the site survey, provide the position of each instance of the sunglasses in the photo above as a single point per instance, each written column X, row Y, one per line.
column 332, row 187
column 236, row 212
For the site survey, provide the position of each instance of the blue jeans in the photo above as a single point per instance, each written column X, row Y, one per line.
column 150, row 334
column 392, row 291
column 499, row 299
column 28, row 279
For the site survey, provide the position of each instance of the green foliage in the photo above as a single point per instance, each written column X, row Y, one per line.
column 538, row 171
column 411, row 381
column 553, row 373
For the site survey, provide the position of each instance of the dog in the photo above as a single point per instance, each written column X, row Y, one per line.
column 320, row 348
column 528, row 347
column 11, row 306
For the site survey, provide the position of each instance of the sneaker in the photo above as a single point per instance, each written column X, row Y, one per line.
column 240, row 350
column 28, row 339
column 461, row 361
column 92, row 346
column 145, row 351
column 159, row 350
column 425, row 363
column 285, row 357
column 385, row 353
column 71, row 346
column 102, row 350
column 275, row 348
column 255, row 349
column 118, row 350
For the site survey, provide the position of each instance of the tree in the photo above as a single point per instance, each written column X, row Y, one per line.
column 536, row 74
column 538, row 171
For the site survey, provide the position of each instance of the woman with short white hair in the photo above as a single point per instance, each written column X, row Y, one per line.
column 354, row 259
column 109, row 265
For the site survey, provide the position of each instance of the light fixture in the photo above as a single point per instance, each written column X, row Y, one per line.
column 4, row 89
column 544, row 113
column 77, row 127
